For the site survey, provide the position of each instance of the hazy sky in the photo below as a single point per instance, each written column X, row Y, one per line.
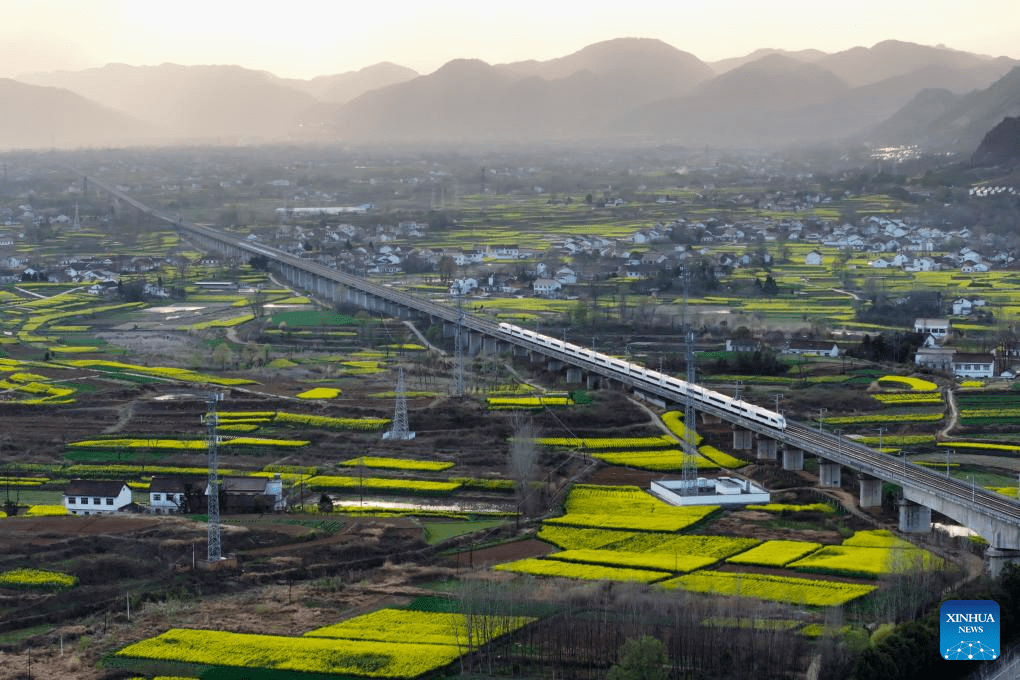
column 305, row 38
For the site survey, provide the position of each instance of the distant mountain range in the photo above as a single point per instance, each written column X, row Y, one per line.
column 629, row 90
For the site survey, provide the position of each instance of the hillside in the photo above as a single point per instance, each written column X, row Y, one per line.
column 1001, row 146
column 191, row 102
column 44, row 117
column 943, row 120
column 340, row 88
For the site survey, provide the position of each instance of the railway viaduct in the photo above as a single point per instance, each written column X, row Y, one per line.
column 993, row 516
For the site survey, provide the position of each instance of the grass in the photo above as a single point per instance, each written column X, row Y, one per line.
column 16, row 636
column 437, row 532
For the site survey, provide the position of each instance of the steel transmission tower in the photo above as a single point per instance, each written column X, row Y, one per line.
column 400, row 429
column 215, row 552
column 690, row 442
column 458, row 346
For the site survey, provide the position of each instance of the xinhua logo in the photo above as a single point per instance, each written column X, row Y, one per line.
column 969, row 630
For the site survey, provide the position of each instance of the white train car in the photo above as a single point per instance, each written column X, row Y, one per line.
column 738, row 408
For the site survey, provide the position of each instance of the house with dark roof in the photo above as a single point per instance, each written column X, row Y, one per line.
column 974, row 365
column 812, row 348
column 252, row 494
column 935, row 358
column 96, row 496
column 167, row 494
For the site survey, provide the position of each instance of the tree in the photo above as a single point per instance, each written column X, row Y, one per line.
column 325, row 503
column 132, row 291
column 222, row 356
column 579, row 315
column 182, row 266
column 257, row 303
column 522, row 459
column 447, row 268
column 642, row 658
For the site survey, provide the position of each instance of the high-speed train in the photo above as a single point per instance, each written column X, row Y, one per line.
column 737, row 407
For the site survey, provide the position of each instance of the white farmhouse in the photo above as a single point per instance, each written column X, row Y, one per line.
column 973, row 365
column 937, row 328
column 166, row 495
column 813, row 259
column 546, row 286
column 96, row 496
column 812, row 348
column 935, row 358
column 966, row 306
column 566, row 276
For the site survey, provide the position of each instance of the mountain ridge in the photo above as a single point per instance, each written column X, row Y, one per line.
column 626, row 89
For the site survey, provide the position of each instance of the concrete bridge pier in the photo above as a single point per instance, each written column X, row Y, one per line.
column 998, row 558
column 474, row 343
column 793, row 458
column 828, row 474
column 574, row 375
column 489, row 345
column 766, row 448
column 914, row 517
column 871, row 491
column 742, row 439
column 554, row 365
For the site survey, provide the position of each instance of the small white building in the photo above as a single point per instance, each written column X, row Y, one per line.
column 719, row 491
column 96, row 496
column 814, row 258
column 166, row 495
column 463, row 286
column 504, row 251
column 937, row 328
column 973, row 365
column 935, row 358
column 812, row 348
column 546, row 286
column 966, row 306
column 566, row 276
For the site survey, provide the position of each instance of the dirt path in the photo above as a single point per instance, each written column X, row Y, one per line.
column 653, row 416
column 854, row 296
column 423, row 340
column 954, row 416
column 124, row 413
